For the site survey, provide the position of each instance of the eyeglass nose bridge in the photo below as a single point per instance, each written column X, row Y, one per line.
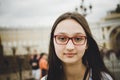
column 70, row 38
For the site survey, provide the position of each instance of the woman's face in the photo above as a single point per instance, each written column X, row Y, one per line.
column 70, row 41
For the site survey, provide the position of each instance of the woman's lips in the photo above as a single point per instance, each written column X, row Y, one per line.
column 69, row 54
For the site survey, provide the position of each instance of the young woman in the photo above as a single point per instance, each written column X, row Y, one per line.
column 73, row 53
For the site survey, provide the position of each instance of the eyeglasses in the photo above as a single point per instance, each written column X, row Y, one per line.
column 63, row 39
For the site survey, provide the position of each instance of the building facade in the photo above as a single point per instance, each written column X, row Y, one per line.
column 111, row 31
column 22, row 41
column 107, row 31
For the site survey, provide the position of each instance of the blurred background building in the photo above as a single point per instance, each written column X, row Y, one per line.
column 107, row 30
column 24, row 40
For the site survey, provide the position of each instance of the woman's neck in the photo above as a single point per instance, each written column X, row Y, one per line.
column 74, row 71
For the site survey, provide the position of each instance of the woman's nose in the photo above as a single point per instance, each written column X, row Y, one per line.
column 70, row 45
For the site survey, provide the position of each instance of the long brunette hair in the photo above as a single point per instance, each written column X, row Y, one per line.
column 91, row 58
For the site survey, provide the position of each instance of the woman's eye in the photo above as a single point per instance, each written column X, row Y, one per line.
column 62, row 38
column 78, row 39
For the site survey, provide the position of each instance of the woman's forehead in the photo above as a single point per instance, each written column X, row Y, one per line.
column 69, row 26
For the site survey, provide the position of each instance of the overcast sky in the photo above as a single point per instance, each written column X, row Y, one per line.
column 36, row 13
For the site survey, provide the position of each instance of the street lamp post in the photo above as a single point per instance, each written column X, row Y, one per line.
column 84, row 9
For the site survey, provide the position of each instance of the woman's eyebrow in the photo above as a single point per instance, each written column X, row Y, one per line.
column 62, row 33
column 78, row 33
column 82, row 34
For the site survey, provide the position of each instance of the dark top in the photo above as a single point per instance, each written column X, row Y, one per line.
column 35, row 61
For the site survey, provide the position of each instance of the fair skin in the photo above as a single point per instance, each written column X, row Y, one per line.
column 70, row 54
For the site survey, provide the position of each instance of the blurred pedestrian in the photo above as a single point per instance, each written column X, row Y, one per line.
column 34, row 62
column 43, row 64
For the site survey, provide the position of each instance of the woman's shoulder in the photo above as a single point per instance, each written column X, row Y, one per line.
column 106, row 76
column 44, row 78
